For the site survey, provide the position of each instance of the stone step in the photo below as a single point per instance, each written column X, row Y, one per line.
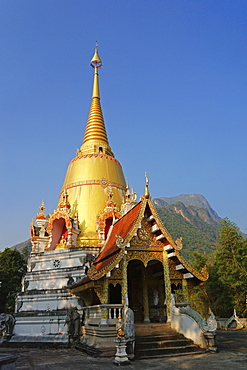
column 152, row 338
column 91, row 351
column 144, row 329
column 163, row 355
column 163, row 343
column 168, row 351
column 159, row 340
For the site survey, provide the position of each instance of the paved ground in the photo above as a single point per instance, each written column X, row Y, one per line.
column 232, row 355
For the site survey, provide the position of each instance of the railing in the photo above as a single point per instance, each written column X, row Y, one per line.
column 103, row 314
column 191, row 324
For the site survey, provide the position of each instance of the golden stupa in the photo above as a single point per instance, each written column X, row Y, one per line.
column 94, row 172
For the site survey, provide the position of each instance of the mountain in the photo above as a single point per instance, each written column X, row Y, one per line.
column 195, row 200
column 192, row 217
column 22, row 245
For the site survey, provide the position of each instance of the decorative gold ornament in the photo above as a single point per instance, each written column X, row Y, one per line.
column 105, row 291
column 144, row 256
column 167, row 283
column 119, row 241
column 125, row 300
column 117, row 273
column 179, row 243
column 143, row 234
column 94, row 274
column 174, row 274
column 185, row 290
column 115, row 282
column 203, row 276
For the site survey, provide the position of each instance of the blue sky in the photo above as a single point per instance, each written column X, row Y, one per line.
column 173, row 93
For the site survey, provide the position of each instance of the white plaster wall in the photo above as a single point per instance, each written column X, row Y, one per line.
column 56, row 279
column 48, row 302
column 38, row 326
column 52, row 269
column 68, row 259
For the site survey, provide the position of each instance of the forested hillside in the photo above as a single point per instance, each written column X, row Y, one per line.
column 196, row 224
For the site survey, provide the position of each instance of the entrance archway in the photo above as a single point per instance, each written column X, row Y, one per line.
column 146, row 291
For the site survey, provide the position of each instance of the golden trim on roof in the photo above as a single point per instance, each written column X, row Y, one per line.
column 162, row 227
column 94, row 274
column 203, row 275
column 149, row 249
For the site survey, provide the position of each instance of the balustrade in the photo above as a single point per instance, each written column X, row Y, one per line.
column 103, row 314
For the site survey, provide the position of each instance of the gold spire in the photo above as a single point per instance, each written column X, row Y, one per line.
column 93, row 172
column 95, row 137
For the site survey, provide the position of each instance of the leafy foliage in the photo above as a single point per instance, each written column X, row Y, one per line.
column 226, row 287
column 231, row 262
column 12, row 269
column 212, row 295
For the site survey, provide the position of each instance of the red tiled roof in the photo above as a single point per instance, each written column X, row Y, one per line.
column 122, row 228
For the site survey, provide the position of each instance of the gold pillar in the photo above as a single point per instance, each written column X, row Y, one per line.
column 185, row 290
column 125, row 299
column 167, row 284
column 105, row 291
column 145, row 295
column 104, row 310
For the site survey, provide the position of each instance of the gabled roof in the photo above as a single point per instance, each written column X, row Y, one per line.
column 119, row 236
column 121, row 233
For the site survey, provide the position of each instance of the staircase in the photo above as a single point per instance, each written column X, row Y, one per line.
column 159, row 340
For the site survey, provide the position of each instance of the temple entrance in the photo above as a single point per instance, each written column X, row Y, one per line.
column 146, row 291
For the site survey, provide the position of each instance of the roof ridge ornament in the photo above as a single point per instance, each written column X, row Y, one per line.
column 146, row 194
column 41, row 214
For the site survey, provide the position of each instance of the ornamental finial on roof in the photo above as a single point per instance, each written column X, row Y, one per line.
column 41, row 214
column 96, row 62
column 127, row 192
column 146, row 195
column 64, row 204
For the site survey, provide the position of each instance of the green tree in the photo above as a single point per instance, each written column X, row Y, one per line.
column 213, row 294
column 199, row 297
column 231, row 262
column 12, row 269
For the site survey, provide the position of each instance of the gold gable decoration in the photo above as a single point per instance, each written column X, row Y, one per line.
column 144, row 256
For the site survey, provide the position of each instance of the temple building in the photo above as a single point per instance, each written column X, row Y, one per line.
column 100, row 251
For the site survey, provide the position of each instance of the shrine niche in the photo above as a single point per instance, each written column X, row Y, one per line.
column 63, row 227
column 59, row 230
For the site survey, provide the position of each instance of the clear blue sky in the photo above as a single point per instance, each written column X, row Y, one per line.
column 173, row 92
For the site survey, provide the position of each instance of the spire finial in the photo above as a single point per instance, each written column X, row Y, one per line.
column 146, row 195
column 96, row 62
column 41, row 214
